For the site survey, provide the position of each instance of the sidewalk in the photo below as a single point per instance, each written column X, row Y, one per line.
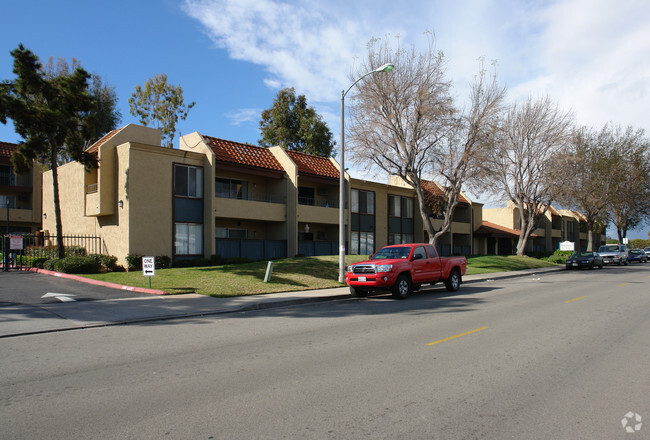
column 17, row 320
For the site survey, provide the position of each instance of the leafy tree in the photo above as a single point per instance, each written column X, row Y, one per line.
column 585, row 178
column 53, row 115
column 629, row 180
column 106, row 114
column 161, row 105
column 293, row 125
column 521, row 166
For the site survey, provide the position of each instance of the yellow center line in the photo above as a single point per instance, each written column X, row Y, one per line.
column 620, row 285
column 575, row 299
column 457, row 336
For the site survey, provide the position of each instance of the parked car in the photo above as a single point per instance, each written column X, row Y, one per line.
column 613, row 253
column 647, row 251
column 404, row 268
column 637, row 255
column 584, row 259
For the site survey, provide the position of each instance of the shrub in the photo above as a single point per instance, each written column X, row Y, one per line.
column 133, row 262
column 559, row 257
column 107, row 262
column 50, row 264
column 39, row 261
column 77, row 265
column 162, row 262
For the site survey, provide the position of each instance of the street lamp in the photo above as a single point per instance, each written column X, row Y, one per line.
column 385, row 68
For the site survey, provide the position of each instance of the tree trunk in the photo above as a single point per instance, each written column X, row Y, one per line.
column 57, row 204
column 424, row 213
column 590, row 238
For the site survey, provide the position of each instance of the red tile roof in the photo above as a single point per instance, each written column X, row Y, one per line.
column 94, row 148
column 489, row 228
column 242, row 154
column 434, row 189
column 7, row 149
column 314, row 165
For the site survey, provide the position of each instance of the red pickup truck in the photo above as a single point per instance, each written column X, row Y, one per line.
column 403, row 268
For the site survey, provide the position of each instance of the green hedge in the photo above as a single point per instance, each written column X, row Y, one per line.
column 559, row 257
column 78, row 265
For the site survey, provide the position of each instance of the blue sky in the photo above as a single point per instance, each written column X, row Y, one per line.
column 232, row 56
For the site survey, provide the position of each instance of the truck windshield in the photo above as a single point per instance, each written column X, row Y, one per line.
column 608, row 249
column 392, row 253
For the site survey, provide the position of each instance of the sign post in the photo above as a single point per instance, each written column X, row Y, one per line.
column 149, row 268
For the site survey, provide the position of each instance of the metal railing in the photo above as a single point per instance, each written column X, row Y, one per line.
column 254, row 196
column 36, row 247
column 326, row 203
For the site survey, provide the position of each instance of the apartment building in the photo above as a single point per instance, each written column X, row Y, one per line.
column 215, row 196
column 20, row 195
column 500, row 230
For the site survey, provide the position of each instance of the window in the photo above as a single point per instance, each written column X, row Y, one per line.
column 306, row 195
column 400, row 220
column 231, row 233
column 231, row 188
column 363, row 202
column 5, row 199
column 188, row 239
column 419, row 252
column 188, row 181
column 394, row 206
column 407, row 207
column 362, row 243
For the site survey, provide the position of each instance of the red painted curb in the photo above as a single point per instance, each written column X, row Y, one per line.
column 99, row 283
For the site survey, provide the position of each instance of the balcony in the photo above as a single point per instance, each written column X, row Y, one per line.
column 10, row 179
column 252, row 206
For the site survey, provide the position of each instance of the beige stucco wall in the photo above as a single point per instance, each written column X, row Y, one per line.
column 501, row 216
column 145, row 185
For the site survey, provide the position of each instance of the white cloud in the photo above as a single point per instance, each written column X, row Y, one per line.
column 244, row 115
column 590, row 55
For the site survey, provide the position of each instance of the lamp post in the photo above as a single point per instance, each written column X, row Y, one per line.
column 5, row 246
column 385, row 68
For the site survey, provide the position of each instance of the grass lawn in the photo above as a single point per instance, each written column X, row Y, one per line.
column 289, row 274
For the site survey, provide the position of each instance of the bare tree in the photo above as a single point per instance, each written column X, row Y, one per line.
column 526, row 151
column 406, row 124
column 457, row 160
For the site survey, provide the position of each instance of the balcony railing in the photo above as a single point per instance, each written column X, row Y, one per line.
column 255, row 197
column 7, row 179
column 318, row 202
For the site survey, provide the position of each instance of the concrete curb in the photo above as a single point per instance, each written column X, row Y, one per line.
column 100, row 283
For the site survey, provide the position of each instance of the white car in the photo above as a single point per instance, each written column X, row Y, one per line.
column 647, row 251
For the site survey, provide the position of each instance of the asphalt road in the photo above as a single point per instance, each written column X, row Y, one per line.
column 561, row 356
column 18, row 287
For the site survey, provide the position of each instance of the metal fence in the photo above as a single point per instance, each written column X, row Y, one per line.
column 23, row 252
column 251, row 248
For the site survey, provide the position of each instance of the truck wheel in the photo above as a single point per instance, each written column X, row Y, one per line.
column 358, row 292
column 453, row 282
column 402, row 287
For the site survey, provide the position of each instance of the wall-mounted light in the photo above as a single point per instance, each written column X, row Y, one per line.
column 120, row 203
column 44, row 215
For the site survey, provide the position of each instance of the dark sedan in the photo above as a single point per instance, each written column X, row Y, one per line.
column 584, row 259
column 637, row 255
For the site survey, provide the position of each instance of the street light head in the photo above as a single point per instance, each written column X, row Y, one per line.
column 385, row 68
